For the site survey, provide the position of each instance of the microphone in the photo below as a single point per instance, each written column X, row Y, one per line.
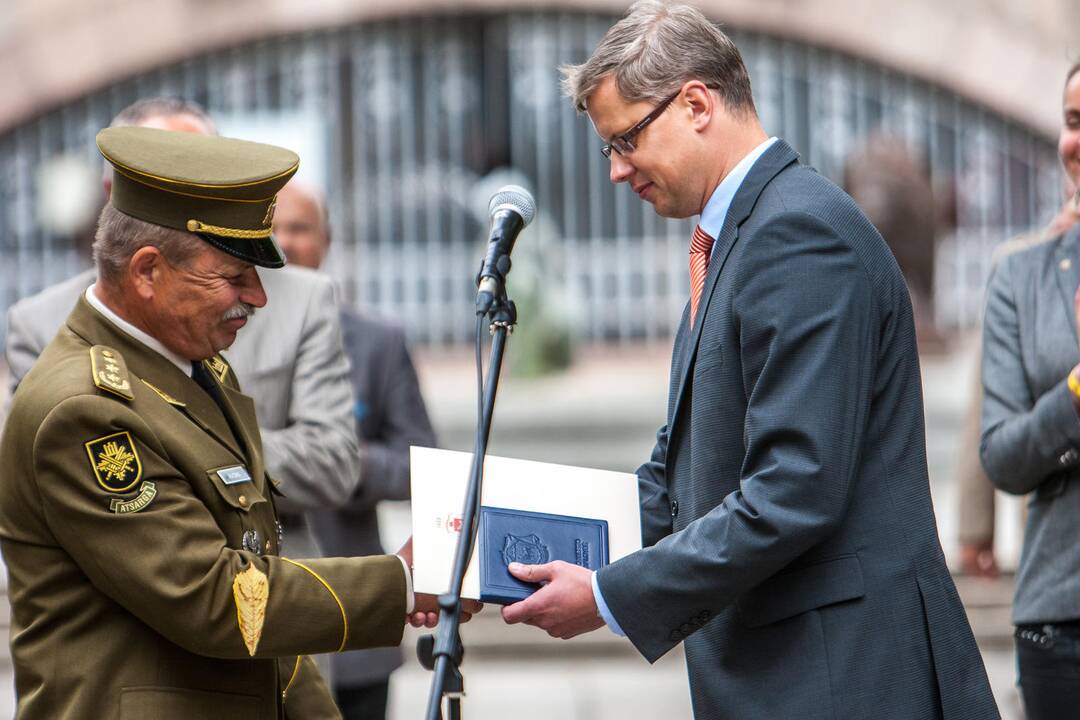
column 511, row 209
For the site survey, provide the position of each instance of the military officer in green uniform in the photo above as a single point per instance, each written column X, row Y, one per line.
column 136, row 517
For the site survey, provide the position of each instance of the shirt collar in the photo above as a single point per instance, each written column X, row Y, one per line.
column 150, row 342
column 716, row 210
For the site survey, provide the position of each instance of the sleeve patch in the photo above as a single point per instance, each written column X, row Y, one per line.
column 115, row 461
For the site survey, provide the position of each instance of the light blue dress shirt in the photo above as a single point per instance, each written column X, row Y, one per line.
column 712, row 222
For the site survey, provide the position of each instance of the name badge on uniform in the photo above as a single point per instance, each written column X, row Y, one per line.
column 234, row 475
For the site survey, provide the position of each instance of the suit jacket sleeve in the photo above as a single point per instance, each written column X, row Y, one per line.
column 653, row 494
column 22, row 346
column 316, row 456
column 400, row 420
column 804, row 310
column 1022, row 436
column 312, row 606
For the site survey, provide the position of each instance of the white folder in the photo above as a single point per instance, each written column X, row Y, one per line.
column 439, row 482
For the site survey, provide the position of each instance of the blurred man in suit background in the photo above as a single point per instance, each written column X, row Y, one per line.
column 390, row 416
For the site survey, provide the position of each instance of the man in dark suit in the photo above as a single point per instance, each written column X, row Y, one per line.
column 390, row 416
column 789, row 535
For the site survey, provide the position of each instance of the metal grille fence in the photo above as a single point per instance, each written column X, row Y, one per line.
column 409, row 118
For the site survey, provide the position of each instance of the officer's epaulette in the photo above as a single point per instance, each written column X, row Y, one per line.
column 109, row 371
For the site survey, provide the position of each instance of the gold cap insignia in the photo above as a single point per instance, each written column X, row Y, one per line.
column 115, row 461
column 268, row 219
column 109, row 371
column 251, row 591
column 219, row 367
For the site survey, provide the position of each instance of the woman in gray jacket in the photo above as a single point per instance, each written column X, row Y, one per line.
column 1031, row 439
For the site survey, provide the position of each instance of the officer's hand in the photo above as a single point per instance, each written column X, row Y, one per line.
column 426, row 611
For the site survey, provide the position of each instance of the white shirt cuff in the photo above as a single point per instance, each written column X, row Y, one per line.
column 410, row 599
column 604, row 610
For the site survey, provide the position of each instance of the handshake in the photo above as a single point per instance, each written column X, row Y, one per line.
column 564, row 607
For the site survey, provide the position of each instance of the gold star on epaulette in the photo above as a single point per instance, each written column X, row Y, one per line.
column 109, row 372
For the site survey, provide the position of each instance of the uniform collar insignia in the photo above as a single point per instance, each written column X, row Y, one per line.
column 219, row 367
column 164, row 395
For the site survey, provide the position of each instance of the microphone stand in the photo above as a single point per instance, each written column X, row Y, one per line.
column 444, row 653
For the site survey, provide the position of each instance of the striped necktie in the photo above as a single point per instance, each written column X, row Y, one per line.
column 700, row 247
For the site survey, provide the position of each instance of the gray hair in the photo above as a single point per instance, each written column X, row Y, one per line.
column 654, row 50
column 119, row 236
column 140, row 111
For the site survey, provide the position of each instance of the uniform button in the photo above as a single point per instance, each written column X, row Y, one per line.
column 242, row 500
column 674, row 508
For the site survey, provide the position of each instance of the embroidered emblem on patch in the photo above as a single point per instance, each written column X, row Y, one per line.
column 234, row 475
column 251, row 591
column 218, row 367
column 147, row 492
column 115, row 461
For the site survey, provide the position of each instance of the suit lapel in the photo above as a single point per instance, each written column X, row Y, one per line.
column 775, row 159
column 1067, row 269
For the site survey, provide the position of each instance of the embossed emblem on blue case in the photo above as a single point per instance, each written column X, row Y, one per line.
column 528, row 550
column 533, row 538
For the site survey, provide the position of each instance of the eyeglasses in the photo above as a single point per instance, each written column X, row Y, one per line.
column 624, row 144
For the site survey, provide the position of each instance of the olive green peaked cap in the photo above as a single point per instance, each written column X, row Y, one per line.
column 222, row 189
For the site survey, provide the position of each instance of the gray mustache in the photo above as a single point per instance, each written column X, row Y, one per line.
column 240, row 310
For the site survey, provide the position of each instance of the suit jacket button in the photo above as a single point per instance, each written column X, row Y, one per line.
column 704, row 616
column 674, row 508
column 675, row 636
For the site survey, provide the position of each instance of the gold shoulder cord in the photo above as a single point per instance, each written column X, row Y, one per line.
column 344, row 617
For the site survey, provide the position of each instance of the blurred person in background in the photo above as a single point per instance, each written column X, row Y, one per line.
column 887, row 182
column 976, row 507
column 390, row 416
column 787, row 523
column 1030, row 439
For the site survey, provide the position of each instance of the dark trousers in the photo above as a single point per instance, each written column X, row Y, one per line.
column 1048, row 659
column 363, row 702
